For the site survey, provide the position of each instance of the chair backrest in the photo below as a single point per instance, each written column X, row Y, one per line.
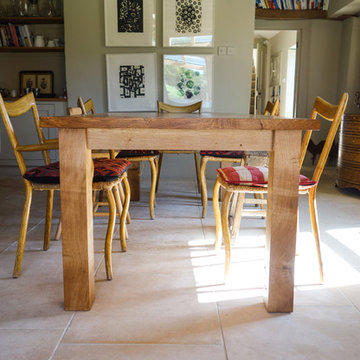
column 14, row 109
column 74, row 111
column 84, row 109
column 272, row 109
column 179, row 109
column 87, row 106
column 331, row 113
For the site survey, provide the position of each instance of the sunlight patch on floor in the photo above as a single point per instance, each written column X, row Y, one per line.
column 247, row 276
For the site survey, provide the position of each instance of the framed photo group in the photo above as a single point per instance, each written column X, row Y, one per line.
column 132, row 77
column 41, row 80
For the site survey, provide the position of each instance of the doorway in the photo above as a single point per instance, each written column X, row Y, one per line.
column 274, row 70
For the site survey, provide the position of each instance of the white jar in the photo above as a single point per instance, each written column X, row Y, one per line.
column 39, row 41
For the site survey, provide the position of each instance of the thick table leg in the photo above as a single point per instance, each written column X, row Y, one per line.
column 77, row 219
column 281, row 226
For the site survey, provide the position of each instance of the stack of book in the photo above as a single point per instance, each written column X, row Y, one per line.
column 293, row 4
column 15, row 35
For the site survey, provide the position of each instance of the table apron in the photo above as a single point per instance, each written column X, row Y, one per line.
column 176, row 139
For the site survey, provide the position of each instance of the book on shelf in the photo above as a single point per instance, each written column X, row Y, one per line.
column 19, row 36
column 28, row 36
column 13, row 35
column 293, row 4
column 16, row 35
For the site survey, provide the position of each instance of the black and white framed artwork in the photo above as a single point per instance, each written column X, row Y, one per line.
column 130, row 16
column 131, row 82
column 129, row 22
column 188, row 23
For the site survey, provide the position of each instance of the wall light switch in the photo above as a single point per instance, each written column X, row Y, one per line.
column 221, row 50
column 231, row 51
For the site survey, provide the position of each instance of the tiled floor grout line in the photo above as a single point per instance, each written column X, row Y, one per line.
column 62, row 336
column 221, row 331
column 349, row 300
column 28, row 232
column 217, row 304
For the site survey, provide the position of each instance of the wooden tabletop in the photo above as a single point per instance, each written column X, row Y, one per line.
column 204, row 121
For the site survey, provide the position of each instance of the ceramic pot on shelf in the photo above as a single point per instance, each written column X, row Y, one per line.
column 39, row 41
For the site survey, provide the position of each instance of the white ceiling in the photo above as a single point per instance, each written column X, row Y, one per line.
column 265, row 34
column 344, row 7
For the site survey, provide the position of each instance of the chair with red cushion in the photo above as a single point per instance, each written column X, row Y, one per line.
column 83, row 109
column 163, row 107
column 253, row 179
column 229, row 156
column 108, row 173
column 132, row 155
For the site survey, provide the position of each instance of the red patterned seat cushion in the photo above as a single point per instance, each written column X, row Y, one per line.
column 254, row 176
column 228, row 154
column 136, row 153
column 104, row 170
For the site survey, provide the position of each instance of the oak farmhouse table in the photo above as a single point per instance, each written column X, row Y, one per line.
column 207, row 131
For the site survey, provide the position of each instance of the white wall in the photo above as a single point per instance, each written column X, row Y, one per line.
column 349, row 73
column 319, row 61
column 281, row 44
column 85, row 61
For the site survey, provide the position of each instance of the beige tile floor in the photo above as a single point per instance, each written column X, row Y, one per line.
column 168, row 299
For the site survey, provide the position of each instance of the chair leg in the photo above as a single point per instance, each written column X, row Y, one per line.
column 101, row 196
column 153, row 186
column 237, row 217
column 156, row 161
column 315, row 229
column 261, row 196
column 58, row 230
column 122, row 197
column 217, row 215
column 158, row 172
column 225, row 230
column 197, row 168
column 123, row 234
column 233, row 204
column 49, row 210
column 204, row 199
column 23, row 230
column 119, row 206
column 109, row 234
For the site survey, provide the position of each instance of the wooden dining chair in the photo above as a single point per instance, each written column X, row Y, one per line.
column 150, row 156
column 241, row 157
column 163, row 107
column 99, row 202
column 108, row 173
column 84, row 108
column 243, row 180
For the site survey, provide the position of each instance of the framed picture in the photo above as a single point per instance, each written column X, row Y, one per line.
column 188, row 79
column 275, row 69
column 27, row 80
column 188, row 23
column 42, row 80
column 131, row 82
column 129, row 22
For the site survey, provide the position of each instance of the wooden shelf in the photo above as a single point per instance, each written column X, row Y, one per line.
column 271, row 14
column 51, row 99
column 31, row 20
column 17, row 49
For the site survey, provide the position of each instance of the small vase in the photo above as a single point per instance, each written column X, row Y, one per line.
column 23, row 7
column 33, row 9
column 49, row 8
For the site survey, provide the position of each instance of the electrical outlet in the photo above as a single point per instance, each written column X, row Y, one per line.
column 221, row 50
column 231, row 51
